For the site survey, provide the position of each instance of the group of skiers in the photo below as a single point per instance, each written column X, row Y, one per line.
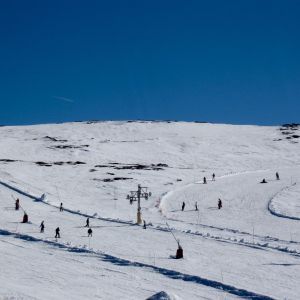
column 277, row 178
column 196, row 204
column 179, row 253
column 57, row 230
column 213, row 178
column 17, row 207
column 220, row 204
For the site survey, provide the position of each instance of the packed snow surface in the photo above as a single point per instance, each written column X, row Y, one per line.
column 250, row 248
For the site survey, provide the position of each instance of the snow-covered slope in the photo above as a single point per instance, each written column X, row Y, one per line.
column 250, row 248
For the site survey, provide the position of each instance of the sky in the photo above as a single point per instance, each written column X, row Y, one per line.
column 217, row 61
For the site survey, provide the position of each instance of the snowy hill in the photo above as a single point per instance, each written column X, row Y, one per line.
column 250, row 248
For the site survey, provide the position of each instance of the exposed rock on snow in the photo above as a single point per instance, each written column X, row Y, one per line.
column 162, row 296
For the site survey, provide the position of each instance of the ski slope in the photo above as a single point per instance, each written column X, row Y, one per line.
column 250, row 248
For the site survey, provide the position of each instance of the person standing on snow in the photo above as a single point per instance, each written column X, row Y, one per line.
column 213, row 177
column 204, row 180
column 183, row 206
column 277, row 176
column 196, row 206
column 219, row 204
column 57, row 234
column 90, row 232
column 87, row 222
column 17, row 204
column 25, row 218
column 61, row 208
column 42, row 226
column 179, row 252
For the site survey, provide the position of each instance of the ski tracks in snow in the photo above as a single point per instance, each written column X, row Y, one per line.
column 272, row 209
column 239, row 237
column 244, row 238
column 162, row 271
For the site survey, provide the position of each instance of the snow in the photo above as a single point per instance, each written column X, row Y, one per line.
column 250, row 248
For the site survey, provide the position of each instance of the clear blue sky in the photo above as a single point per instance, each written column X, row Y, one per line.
column 217, row 61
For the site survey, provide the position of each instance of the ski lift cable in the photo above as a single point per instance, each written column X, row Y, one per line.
column 177, row 241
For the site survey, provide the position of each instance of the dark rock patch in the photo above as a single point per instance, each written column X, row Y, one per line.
column 118, row 166
column 291, row 125
column 53, row 139
column 68, row 147
column 59, row 163
column 289, row 131
column 7, row 160
column 43, row 164
column 162, row 165
column 72, row 163
column 112, row 179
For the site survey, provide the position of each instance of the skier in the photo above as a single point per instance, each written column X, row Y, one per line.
column 263, row 181
column 220, row 203
column 196, row 206
column 42, row 226
column 179, row 252
column 25, row 218
column 277, row 176
column 213, row 176
column 17, row 204
column 183, row 206
column 90, row 232
column 61, row 207
column 57, row 234
column 87, row 222
column 204, row 180
column 145, row 226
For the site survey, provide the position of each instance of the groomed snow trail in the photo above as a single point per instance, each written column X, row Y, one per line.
column 128, row 263
column 235, row 237
column 92, row 166
column 247, row 211
column 71, row 218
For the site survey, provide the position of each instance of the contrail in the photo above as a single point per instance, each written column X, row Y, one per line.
column 63, row 99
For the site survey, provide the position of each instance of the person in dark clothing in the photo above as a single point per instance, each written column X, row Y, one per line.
column 213, row 176
column 263, row 181
column 42, row 226
column 90, row 232
column 196, row 206
column 57, row 232
column 87, row 222
column 145, row 225
column 179, row 252
column 61, row 208
column 183, row 206
column 204, row 180
column 25, row 218
column 17, row 204
column 277, row 176
column 219, row 204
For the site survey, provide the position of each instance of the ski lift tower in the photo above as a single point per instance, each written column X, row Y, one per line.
column 142, row 192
